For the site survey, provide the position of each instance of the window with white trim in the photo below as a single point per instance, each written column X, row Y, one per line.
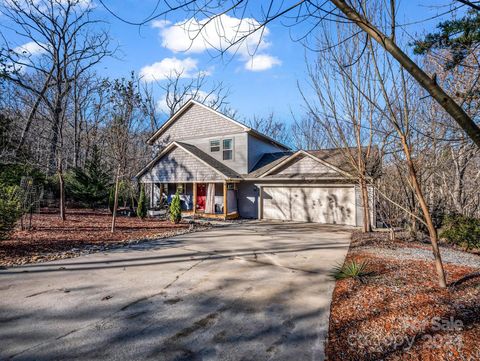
column 227, row 149
column 214, row 146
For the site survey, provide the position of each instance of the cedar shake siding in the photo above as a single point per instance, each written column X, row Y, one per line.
column 197, row 122
column 239, row 162
column 305, row 165
column 180, row 166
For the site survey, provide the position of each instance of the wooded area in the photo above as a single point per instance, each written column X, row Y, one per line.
column 409, row 130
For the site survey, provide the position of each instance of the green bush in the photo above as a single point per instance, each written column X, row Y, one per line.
column 89, row 185
column 352, row 269
column 11, row 174
column 176, row 209
column 10, row 209
column 462, row 231
column 142, row 204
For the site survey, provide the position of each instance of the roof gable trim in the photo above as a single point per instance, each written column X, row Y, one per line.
column 167, row 150
column 302, row 152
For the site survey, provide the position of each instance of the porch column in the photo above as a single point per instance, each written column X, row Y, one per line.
column 225, row 204
column 260, row 202
column 194, row 198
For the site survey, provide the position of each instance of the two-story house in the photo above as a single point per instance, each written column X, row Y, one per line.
column 225, row 169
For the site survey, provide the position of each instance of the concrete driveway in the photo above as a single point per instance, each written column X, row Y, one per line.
column 252, row 291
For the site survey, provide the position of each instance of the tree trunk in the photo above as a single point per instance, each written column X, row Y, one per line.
column 53, row 150
column 426, row 213
column 61, row 184
column 367, row 226
column 57, row 113
column 430, row 85
column 33, row 111
column 115, row 203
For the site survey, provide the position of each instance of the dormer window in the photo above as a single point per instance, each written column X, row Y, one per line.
column 227, row 149
column 214, row 146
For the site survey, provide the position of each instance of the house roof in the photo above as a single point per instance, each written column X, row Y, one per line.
column 217, row 166
column 192, row 102
column 332, row 161
column 324, row 175
column 267, row 162
column 335, row 157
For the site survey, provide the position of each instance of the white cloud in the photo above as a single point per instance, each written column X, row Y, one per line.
column 168, row 67
column 261, row 62
column 30, row 49
column 160, row 24
column 224, row 33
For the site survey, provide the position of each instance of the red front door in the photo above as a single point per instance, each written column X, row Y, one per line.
column 201, row 196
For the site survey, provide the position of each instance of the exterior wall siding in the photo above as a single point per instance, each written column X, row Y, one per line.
column 197, row 122
column 239, row 163
column 179, row 166
column 248, row 193
column 257, row 148
column 305, row 165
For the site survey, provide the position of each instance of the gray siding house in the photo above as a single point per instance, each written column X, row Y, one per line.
column 224, row 169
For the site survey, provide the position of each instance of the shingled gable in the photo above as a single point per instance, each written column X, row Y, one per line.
column 196, row 120
column 287, row 167
column 197, row 159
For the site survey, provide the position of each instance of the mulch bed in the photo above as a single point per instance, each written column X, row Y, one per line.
column 399, row 313
column 50, row 238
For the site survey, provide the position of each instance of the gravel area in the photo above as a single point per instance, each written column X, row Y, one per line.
column 448, row 255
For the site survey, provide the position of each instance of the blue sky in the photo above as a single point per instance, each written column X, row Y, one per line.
column 268, row 84
column 253, row 92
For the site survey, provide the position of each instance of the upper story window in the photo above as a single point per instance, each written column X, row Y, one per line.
column 227, row 149
column 214, row 146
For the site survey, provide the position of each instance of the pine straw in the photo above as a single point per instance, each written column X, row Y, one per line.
column 50, row 238
column 395, row 314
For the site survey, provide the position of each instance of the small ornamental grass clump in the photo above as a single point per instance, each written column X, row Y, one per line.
column 176, row 209
column 351, row 269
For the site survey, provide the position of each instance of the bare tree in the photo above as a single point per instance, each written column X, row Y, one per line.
column 269, row 125
column 400, row 111
column 348, row 120
column 176, row 91
column 124, row 132
column 307, row 133
column 313, row 13
column 65, row 47
column 455, row 156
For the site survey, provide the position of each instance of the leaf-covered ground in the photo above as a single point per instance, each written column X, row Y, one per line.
column 399, row 313
column 50, row 238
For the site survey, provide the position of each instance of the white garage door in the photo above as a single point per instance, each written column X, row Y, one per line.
column 331, row 205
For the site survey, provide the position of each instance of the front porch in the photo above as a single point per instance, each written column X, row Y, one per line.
column 203, row 199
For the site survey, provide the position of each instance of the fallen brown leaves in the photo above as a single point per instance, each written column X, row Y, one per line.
column 399, row 313
column 50, row 238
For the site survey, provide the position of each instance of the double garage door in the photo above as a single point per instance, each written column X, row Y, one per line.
column 329, row 205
